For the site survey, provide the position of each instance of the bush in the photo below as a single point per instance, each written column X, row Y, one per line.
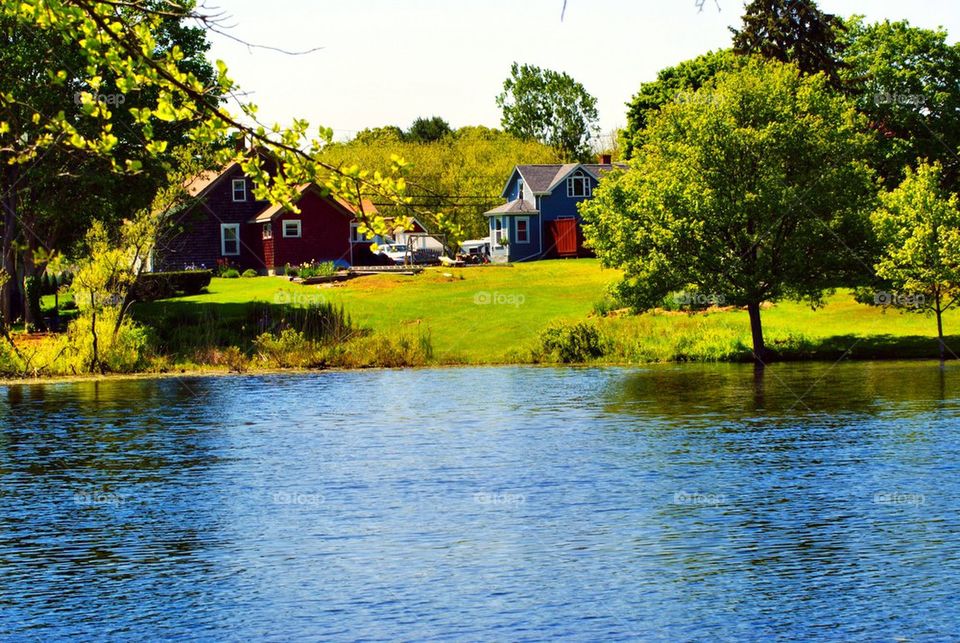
column 289, row 349
column 571, row 343
column 250, row 273
column 123, row 352
column 231, row 273
column 163, row 285
column 10, row 364
column 314, row 269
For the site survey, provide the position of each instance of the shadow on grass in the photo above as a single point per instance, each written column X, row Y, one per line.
column 180, row 327
column 866, row 347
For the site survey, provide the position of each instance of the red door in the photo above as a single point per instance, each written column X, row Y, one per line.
column 564, row 232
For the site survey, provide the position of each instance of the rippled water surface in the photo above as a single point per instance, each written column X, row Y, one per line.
column 671, row 503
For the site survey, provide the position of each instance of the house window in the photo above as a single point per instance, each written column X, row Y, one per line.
column 292, row 229
column 239, row 189
column 355, row 236
column 268, row 230
column 578, row 185
column 497, row 230
column 230, row 239
column 522, row 233
column 520, row 189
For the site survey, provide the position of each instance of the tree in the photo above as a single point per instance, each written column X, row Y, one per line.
column 550, row 107
column 752, row 191
column 918, row 225
column 428, row 130
column 36, row 222
column 675, row 83
column 905, row 80
column 794, row 31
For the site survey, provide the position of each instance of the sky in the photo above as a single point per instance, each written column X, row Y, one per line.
column 386, row 62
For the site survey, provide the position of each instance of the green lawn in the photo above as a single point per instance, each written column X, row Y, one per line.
column 493, row 314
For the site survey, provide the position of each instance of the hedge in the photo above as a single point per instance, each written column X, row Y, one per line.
column 162, row 285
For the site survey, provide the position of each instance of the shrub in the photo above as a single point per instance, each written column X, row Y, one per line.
column 230, row 273
column 10, row 364
column 381, row 351
column 291, row 271
column 289, row 349
column 250, row 273
column 121, row 352
column 163, row 285
column 314, row 269
column 571, row 343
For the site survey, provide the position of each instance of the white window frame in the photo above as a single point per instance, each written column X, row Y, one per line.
column 355, row 236
column 223, row 239
column 498, row 230
column 268, row 230
column 242, row 184
column 520, row 189
column 516, row 229
column 585, row 184
column 299, row 224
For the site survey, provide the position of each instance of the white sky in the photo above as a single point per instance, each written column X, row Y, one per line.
column 389, row 61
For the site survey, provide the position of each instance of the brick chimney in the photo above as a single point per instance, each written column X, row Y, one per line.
column 606, row 159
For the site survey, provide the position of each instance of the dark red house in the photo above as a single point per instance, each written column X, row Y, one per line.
column 224, row 223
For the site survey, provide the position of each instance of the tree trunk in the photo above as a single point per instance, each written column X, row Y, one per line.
column 10, row 300
column 942, row 345
column 33, row 291
column 756, row 330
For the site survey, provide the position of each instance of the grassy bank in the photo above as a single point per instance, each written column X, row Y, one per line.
column 494, row 314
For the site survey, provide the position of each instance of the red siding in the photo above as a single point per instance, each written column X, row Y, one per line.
column 325, row 233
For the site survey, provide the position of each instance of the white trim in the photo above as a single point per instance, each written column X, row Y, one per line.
column 233, row 187
column 299, row 225
column 223, row 239
column 585, row 179
column 516, row 229
column 355, row 236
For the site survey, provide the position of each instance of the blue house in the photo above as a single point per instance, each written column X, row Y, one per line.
column 540, row 218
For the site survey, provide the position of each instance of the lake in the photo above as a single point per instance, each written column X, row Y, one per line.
column 671, row 503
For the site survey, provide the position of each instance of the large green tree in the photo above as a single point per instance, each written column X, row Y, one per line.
column 918, row 225
column 428, row 130
column 675, row 83
column 907, row 81
column 752, row 192
column 551, row 107
column 794, row 31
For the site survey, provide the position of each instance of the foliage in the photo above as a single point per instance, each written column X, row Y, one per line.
column 905, row 79
column 792, row 31
column 460, row 176
column 550, row 107
column 918, row 225
column 288, row 349
column 163, row 285
column 571, row 343
column 315, row 269
column 250, row 273
column 673, row 84
column 231, row 273
column 740, row 193
column 428, row 130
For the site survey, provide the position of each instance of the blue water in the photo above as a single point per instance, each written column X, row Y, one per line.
column 813, row 502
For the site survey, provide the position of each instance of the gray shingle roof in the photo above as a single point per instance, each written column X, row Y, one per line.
column 543, row 178
column 517, row 206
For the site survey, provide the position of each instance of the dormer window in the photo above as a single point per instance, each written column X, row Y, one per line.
column 520, row 189
column 239, row 190
column 578, row 185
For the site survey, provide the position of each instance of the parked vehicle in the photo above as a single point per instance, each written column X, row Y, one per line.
column 397, row 252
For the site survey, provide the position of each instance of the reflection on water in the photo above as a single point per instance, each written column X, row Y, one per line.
column 667, row 503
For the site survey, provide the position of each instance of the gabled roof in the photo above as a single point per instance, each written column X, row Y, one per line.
column 517, row 206
column 201, row 183
column 542, row 179
column 273, row 211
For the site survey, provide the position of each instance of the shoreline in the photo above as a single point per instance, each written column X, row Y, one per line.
column 213, row 372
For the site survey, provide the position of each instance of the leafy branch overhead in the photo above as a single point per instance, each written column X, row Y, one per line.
column 118, row 40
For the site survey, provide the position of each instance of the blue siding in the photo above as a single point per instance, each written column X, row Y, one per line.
column 558, row 204
column 518, row 251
